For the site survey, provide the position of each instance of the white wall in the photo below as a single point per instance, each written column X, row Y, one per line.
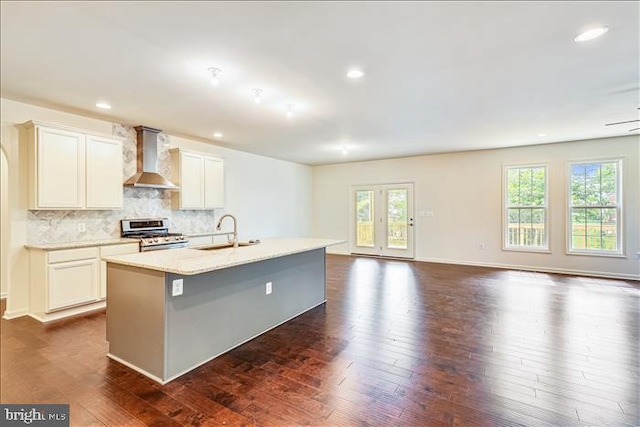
column 464, row 191
column 269, row 197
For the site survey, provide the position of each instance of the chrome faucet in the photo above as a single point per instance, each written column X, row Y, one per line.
column 235, row 228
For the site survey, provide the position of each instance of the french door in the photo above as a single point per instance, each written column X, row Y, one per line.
column 382, row 220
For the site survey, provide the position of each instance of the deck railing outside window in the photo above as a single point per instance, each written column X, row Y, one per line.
column 397, row 235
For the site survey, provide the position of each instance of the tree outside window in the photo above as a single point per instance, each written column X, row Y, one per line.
column 526, row 208
column 595, row 206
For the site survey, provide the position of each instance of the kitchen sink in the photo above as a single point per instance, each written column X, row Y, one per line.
column 226, row 245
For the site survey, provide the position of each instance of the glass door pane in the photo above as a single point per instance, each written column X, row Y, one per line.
column 397, row 224
column 382, row 220
column 365, row 215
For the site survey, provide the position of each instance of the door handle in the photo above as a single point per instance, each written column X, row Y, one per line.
column 410, row 222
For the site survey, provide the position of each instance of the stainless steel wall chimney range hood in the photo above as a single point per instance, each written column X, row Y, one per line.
column 147, row 154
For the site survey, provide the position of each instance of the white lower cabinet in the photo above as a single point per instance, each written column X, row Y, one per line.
column 72, row 283
column 65, row 282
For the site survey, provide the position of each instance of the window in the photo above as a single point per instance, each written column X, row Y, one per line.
column 525, row 189
column 595, row 208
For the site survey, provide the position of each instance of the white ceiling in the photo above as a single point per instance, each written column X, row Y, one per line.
column 440, row 76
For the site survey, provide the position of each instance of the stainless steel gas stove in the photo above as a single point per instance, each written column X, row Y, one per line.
column 153, row 234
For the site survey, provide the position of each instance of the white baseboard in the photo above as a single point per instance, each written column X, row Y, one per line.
column 569, row 271
column 337, row 252
column 56, row 315
column 8, row 315
column 137, row 369
column 573, row 272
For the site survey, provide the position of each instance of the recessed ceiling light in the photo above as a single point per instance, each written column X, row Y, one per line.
column 103, row 105
column 215, row 80
column 542, row 135
column 355, row 73
column 218, row 135
column 257, row 95
column 290, row 110
column 591, row 34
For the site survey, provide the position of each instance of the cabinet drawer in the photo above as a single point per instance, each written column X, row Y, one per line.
column 127, row 248
column 72, row 254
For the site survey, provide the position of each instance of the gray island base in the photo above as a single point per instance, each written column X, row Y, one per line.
column 164, row 336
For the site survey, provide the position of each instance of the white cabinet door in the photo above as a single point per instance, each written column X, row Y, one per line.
column 213, row 183
column 73, row 282
column 72, row 169
column 192, row 181
column 201, row 180
column 104, row 173
column 60, row 169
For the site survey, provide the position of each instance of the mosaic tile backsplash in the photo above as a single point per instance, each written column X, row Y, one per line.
column 62, row 226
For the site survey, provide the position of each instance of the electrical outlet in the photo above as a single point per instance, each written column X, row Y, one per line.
column 81, row 227
column 638, row 256
column 177, row 287
column 268, row 288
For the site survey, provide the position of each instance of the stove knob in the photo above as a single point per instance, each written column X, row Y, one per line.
column 155, row 240
column 166, row 239
column 181, row 237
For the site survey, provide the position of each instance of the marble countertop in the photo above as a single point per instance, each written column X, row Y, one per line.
column 187, row 261
column 79, row 244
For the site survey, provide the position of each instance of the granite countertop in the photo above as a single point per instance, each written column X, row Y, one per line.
column 54, row 246
column 187, row 261
column 208, row 233
column 79, row 244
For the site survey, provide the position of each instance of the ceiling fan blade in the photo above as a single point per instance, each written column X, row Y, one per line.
column 620, row 123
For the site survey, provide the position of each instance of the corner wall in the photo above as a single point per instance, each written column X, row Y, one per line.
column 464, row 191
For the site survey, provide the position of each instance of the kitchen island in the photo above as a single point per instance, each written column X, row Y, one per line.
column 170, row 311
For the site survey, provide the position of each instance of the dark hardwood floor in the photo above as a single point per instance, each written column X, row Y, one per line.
column 397, row 344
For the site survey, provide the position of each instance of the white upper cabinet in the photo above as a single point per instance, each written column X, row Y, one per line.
column 71, row 169
column 214, row 183
column 59, row 169
column 191, row 181
column 201, row 180
column 104, row 173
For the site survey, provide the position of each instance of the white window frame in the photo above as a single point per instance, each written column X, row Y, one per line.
column 619, row 252
column 506, row 206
